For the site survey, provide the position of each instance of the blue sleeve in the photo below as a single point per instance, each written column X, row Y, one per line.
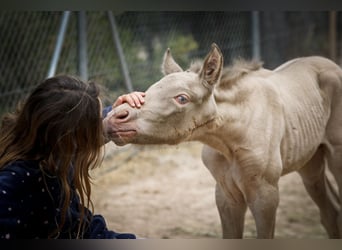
column 106, row 110
column 98, row 230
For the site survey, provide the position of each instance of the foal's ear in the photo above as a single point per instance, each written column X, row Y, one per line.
column 169, row 65
column 212, row 67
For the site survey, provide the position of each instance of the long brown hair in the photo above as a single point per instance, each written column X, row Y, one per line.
column 59, row 125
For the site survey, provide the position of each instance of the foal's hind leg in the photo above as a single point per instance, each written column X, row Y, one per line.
column 330, row 81
column 314, row 179
column 335, row 166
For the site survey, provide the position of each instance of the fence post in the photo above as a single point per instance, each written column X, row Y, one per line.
column 255, row 35
column 119, row 50
column 59, row 43
column 82, row 46
column 332, row 35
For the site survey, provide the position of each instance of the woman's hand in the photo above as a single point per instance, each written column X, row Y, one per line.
column 135, row 99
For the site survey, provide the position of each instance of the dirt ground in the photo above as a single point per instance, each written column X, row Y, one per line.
column 166, row 192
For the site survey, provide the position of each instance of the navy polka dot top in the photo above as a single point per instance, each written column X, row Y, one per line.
column 30, row 207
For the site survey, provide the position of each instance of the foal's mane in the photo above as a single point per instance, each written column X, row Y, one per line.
column 239, row 69
column 234, row 72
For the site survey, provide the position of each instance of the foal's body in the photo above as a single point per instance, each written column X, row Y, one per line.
column 256, row 124
column 278, row 128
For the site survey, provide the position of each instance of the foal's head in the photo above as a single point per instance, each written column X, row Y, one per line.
column 177, row 108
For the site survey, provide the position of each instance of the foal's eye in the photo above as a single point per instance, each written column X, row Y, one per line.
column 182, row 99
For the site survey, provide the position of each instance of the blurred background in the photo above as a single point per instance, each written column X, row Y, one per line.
column 123, row 51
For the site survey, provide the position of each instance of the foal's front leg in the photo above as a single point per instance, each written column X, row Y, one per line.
column 263, row 199
column 232, row 209
column 230, row 201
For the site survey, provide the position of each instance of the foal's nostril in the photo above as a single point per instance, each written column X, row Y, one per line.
column 122, row 115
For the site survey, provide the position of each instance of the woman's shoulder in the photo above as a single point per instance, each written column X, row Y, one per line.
column 20, row 168
column 18, row 175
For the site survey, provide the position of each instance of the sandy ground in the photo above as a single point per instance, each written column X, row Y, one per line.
column 166, row 192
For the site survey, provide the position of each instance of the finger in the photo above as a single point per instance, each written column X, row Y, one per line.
column 124, row 98
column 141, row 93
column 141, row 96
column 130, row 100
column 136, row 99
column 118, row 101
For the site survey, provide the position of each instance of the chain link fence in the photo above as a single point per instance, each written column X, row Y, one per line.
column 28, row 42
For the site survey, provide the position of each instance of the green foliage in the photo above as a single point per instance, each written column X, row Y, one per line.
column 28, row 41
column 181, row 46
column 148, row 70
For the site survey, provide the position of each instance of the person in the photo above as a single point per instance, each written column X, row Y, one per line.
column 47, row 148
